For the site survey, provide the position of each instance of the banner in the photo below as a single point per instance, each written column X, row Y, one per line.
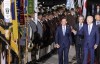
column 30, row 7
column 18, row 9
column 84, row 8
column 70, row 4
column 7, row 8
column 25, row 6
column 14, row 19
column 22, row 19
column 14, row 35
column 80, row 3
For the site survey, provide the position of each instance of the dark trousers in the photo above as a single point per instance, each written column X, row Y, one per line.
column 79, row 53
column 63, row 55
column 98, row 54
column 88, row 50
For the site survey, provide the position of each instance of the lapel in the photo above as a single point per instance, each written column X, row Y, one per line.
column 92, row 30
column 78, row 26
column 61, row 30
column 87, row 30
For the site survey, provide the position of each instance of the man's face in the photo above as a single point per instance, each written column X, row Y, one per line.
column 40, row 17
column 97, row 17
column 63, row 22
column 32, row 16
column 89, row 19
column 81, row 19
column 98, row 7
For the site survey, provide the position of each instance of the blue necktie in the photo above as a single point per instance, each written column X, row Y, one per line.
column 80, row 27
column 89, row 30
column 64, row 30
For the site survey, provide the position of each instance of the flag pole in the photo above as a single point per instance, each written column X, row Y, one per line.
column 26, row 44
column 26, row 50
column 9, row 48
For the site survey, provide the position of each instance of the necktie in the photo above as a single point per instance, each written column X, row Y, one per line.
column 89, row 29
column 80, row 26
column 64, row 30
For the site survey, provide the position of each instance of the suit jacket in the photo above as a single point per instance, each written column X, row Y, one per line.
column 63, row 41
column 98, row 25
column 24, row 34
column 33, row 27
column 71, row 20
column 46, row 33
column 78, row 38
column 96, row 11
column 40, row 29
column 93, row 38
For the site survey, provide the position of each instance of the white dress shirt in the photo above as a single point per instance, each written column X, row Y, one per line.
column 80, row 26
column 97, row 22
column 98, row 10
column 64, row 29
column 90, row 28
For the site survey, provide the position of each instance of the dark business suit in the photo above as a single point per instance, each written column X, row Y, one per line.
column 46, row 33
column 64, row 41
column 72, row 21
column 39, row 35
column 79, row 44
column 89, row 41
column 98, row 49
column 97, row 12
column 33, row 27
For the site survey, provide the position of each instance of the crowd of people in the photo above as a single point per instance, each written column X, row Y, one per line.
column 62, row 28
column 84, row 33
column 49, row 31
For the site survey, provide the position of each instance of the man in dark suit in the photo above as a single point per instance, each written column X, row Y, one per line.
column 97, row 18
column 79, row 40
column 97, row 9
column 63, row 40
column 91, row 39
column 40, row 29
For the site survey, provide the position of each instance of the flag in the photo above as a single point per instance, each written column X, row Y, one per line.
column 30, row 7
column 22, row 18
column 14, row 35
column 14, row 19
column 70, row 4
column 80, row 3
column 14, row 45
column 18, row 9
column 25, row 6
column 84, row 8
column 7, row 14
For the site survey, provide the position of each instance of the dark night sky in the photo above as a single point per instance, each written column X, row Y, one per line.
column 55, row 2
